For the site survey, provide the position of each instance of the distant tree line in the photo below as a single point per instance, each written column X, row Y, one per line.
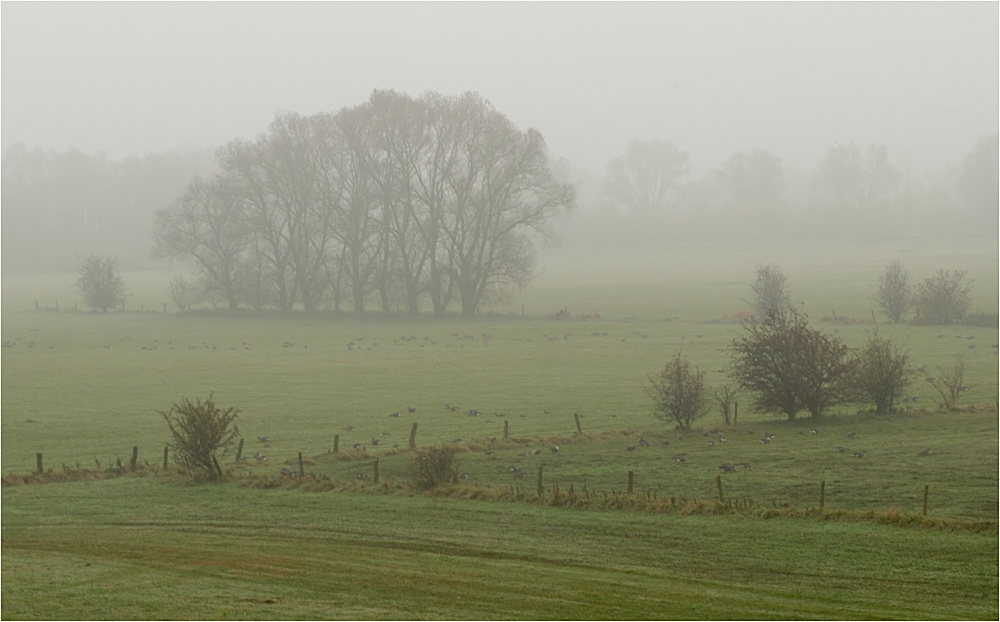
column 395, row 201
column 61, row 207
column 649, row 196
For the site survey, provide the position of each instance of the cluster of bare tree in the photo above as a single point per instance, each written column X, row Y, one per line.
column 396, row 200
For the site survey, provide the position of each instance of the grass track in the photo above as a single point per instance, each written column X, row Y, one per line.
column 142, row 549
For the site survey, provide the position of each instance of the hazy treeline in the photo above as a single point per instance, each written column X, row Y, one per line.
column 397, row 200
column 648, row 196
column 59, row 207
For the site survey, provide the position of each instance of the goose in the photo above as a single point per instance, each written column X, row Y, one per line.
column 554, row 448
column 728, row 467
column 925, row 452
column 681, row 458
column 644, row 442
column 263, row 439
column 842, row 449
column 850, row 434
column 630, row 448
column 665, row 443
column 859, row 454
column 710, row 443
column 536, row 452
column 411, row 409
column 395, row 414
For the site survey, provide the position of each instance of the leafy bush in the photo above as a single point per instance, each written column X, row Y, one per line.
column 789, row 366
column 944, row 298
column 678, row 392
column 432, row 467
column 100, row 284
column 880, row 373
column 202, row 433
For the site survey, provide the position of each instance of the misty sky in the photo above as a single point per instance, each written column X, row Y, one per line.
column 714, row 78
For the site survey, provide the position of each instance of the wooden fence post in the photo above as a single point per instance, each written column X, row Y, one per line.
column 579, row 430
column 413, row 436
column 718, row 484
column 218, row 468
column 135, row 457
column 736, row 411
column 376, row 470
column 539, row 481
column 630, row 481
column 925, row 500
column 336, row 443
column 239, row 451
column 506, row 430
column 822, row 494
column 164, row 307
column 166, row 451
column 302, row 469
column 38, row 459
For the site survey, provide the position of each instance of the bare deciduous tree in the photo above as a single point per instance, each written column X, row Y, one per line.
column 208, row 227
column 895, row 294
column 768, row 296
column 950, row 382
column 648, row 176
column 725, row 398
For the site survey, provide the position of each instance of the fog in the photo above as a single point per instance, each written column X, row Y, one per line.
column 795, row 80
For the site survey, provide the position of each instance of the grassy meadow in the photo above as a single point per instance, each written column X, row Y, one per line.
column 85, row 388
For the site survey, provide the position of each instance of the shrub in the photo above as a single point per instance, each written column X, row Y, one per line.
column 950, row 383
column 944, row 298
column 202, row 433
column 880, row 373
column 768, row 296
column 789, row 366
column 100, row 284
column 895, row 294
column 725, row 398
column 678, row 392
column 432, row 467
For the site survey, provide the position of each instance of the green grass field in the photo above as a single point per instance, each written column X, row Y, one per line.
column 82, row 388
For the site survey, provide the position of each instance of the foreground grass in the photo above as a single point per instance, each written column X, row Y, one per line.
column 133, row 548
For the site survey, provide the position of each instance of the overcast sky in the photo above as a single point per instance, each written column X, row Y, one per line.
column 715, row 78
